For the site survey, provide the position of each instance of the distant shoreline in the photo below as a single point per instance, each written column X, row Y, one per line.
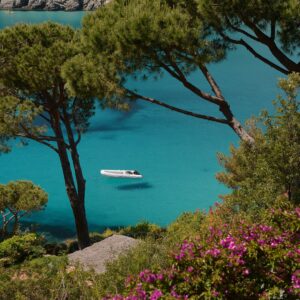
column 11, row 11
column 51, row 5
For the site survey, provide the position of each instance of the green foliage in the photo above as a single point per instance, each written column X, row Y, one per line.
column 56, row 248
column 33, row 64
column 143, row 230
column 19, row 248
column 17, row 199
column 31, row 79
column 127, row 37
column 22, row 196
column 185, row 226
column 262, row 175
column 47, row 278
column 144, row 30
column 273, row 23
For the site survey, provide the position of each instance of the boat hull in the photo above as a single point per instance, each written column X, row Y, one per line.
column 120, row 174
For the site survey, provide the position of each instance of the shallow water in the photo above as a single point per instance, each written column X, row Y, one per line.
column 175, row 153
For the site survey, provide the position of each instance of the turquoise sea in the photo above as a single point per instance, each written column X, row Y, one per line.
column 175, row 153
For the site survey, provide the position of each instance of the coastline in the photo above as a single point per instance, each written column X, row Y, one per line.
column 51, row 5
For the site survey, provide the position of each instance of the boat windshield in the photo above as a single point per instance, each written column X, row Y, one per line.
column 134, row 172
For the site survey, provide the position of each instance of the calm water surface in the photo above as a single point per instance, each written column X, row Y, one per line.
column 175, row 153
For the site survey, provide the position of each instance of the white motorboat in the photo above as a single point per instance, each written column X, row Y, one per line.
column 121, row 173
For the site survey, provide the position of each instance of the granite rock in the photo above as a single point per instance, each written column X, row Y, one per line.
column 99, row 254
column 36, row 4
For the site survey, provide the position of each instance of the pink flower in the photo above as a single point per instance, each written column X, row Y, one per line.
column 265, row 228
column 213, row 252
column 215, row 293
column 229, row 240
column 232, row 245
column 246, row 272
column 296, row 279
column 297, row 211
column 156, row 294
column 190, row 269
column 173, row 292
column 147, row 276
column 160, row 277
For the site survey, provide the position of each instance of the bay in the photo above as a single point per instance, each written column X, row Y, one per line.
column 175, row 153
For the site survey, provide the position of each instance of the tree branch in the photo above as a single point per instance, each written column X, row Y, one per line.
column 40, row 137
column 182, row 111
column 78, row 131
column 45, row 118
column 211, row 82
column 192, row 87
column 175, row 66
column 38, row 141
column 270, row 43
column 244, row 32
column 255, row 54
column 273, row 29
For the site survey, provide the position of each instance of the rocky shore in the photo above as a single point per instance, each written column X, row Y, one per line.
column 67, row 5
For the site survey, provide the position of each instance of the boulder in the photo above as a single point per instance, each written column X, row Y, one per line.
column 20, row 3
column 73, row 5
column 55, row 5
column 7, row 4
column 94, row 4
column 99, row 254
column 36, row 4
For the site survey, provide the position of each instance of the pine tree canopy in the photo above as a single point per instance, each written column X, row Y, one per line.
column 31, row 83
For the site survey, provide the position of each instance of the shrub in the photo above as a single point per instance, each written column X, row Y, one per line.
column 56, row 248
column 143, row 230
column 241, row 261
column 260, row 175
column 20, row 247
column 47, row 278
column 185, row 226
column 18, row 199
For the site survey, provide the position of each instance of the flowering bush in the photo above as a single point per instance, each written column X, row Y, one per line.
column 230, row 261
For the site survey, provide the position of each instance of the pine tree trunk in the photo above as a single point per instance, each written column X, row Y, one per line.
column 76, row 195
column 78, row 206
column 3, row 230
column 81, row 224
column 236, row 126
column 77, row 202
column 16, row 224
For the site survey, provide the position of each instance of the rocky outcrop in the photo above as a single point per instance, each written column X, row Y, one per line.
column 68, row 5
column 99, row 254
